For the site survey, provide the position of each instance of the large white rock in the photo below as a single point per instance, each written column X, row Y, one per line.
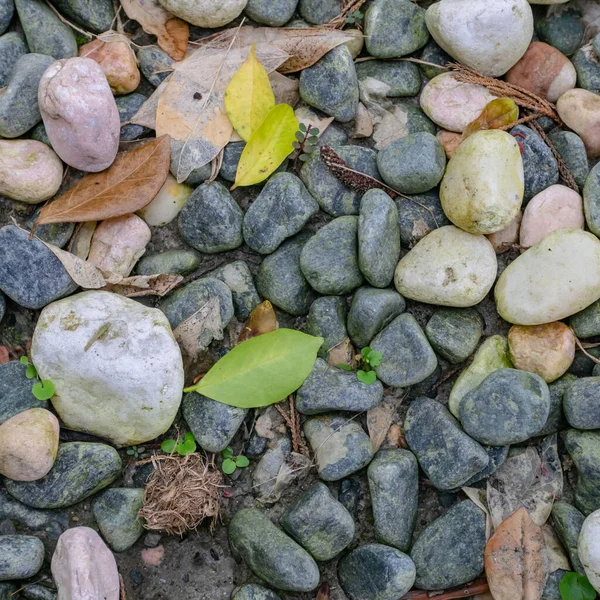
column 588, row 548
column 115, row 364
column 448, row 267
column 482, row 189
column 554, row 279
column 206, row 13
column 488, row 36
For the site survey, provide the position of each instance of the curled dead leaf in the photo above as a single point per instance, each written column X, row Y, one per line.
column 136, row 286
column 262, row 320
column 324, row 592
column 82, row 239
column 379, row 420
column 342, row 354
column 197, row 332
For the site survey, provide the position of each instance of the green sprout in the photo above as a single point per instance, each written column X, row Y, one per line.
column 44, row 388
column 354, row 17
column 231, row 463
column 367, row 360
column 136, row 451
column 184, row 448
column 574, row 586
column 306, row 143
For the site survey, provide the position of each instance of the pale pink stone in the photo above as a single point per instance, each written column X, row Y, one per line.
column 557, row 207
column 580, row 110
column 80, row 113
column 118, row 244
column 83, row 567
column 502, row 239
column 153, row 556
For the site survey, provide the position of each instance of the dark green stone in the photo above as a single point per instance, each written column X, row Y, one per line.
column 116, row 512
column 587, row 65
column 2, row 305
column 128, row 106
column 350, row 494
column 155, row 64
column 319, row 12
column 584, row 448
column 596, row 44
column 572, row 150
column 327, row 319
column 419, row 215
column 238, row 278
column 173, row 262
column 15, row 391
column 52, row 522
column 454, row 333
column 568, row 521
column 580, row 403
column 591, row 208
column 57, row 234
column 231, row 158
column 12, row 47
column 416, row 120
column 496, row 457
column 403, row 78
column 273, row 13
column 7, row 591
column 432, row 53
column 196, row 176
column 582, row 365
column 562, row 29
column 96, row 16
column 551, row 589
column 7, row 9
column 587, row 492
column 21, row 556
column 334, row 135
column 253, row 591
column 556, row 419
column 38, row 592
column 39, row 134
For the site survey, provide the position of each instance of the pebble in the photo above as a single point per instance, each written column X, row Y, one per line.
column 39, row 592
column 402, row 78
column 393, row 477
column 80, row 470
column 83, row 567
column 454, row 333
column 7, row 591
column 341, row 446
column 2, row 306
column 211, row 220
column 419, row 216
column 407, row 357
column 432, row 53
column 586, row 323
column 567, row 521
column 331, row 85
column 589, row 548
column 12, row 47
column 319, row 12
column 545, row 71
column 572, row 150
column 580, row 110
column 96, row 17
column 270, row 553
column 7, row 8
column 281, row 281
column 15, row 391
column 547, row 350
column 489, row 38
column 273, row 14
column 253, row 591
column 128, row 106
column 116, row 512
column 238, row 278
column 449, row 551
column 591, row 200
column 445, row 452
column 562, row 29
column 266, row 473
column 483, row 187
column 21, row 556
column 29, row 171
column 331, row 194
column 213, row 423
column 327, row 319
column 319, row 523
column 587, row 65
column 580, row 403
column 45, row 32
column 532, row 290
column 448, row 267
column 80, row 114
column 280, row 211
column 231, row 157
column 556, row 419
column 496, row 457
column 155, row 64
column 584, row 448
column 173, row 262
column 596, row 44
column 376, row 572
column 52, row 522
column 57, row 234
column 203, row 13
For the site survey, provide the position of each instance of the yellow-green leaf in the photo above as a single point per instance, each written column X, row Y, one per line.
column 497, row 113
column 261, row 371
column 249, row 97
column 269, row 146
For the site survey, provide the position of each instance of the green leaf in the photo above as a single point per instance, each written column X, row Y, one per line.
column 314, row 131
column 189, row 437
column 299, row 136
column 189, row 446
column 24, row 360
column 130, row 452
column 304, row 157
column 302, row 127
column 345, row 367
column 367, row 377
column 180, row 449
column 228, row 466
column 313, row 139
column 168, row 446
column 310, row 149
column 241, row 461
column 227, row 453
column 141, row 450
column 262, row 370
column 297, row 145
column 30, row 372
column 43, row 390
column 366, row 351
column 576, row 587
column 375, row 358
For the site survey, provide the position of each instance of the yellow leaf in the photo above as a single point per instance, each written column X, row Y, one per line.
column 269, row 146
column 249, row 97
column 497, row 113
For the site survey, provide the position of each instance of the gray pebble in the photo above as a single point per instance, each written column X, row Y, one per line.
column 403, row 78
column 38, row 592
column 418, row 216
column 173, row 262
column 327, row 319
column 231, row 158
column 116, row 512
column 96, row 16
column 587, row 65
column 567, row 521
column 414, row 119
column 273, row 13
column 334, row 135
column 253, row 591
column 21, row 556
column 432, row 53
column 7, row 9
column 454, row 333
column 52, row 522
column 572, row 149
column 155, row 64
column 128, row 106
column 264, row 478
column 319, row 12
column 591, row 208
column 580, row 403
column 562, row 29
column 238, row 278
column 15, row 391
column 12, row 47
column 556, row 419
column 496, row 455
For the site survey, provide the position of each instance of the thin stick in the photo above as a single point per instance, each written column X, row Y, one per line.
column 590, row 356
column 82, row 31
column 340, row 20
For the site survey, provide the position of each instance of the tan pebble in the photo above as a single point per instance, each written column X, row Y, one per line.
column 449, row 141
column 580, row 110
column 153, row 556
column 501, row 240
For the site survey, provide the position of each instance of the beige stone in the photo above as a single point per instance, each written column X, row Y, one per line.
column 502, row 239
column 580, row 110
column 167, row 204
column 449, row 140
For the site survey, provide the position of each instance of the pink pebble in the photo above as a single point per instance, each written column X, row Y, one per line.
column 153, row 556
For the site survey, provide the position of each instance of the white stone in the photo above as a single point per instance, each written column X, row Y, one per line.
column 588, row 548
column 206, row 13
column 482, row 189
column 167, row 204
column 554, row 279
column 488, row 36
column 547, row 1
column 83, row 567
column 448, row 267
column 115, row 364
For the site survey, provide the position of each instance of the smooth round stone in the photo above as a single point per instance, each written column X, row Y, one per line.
column 580, row 403
column 327, row 319
column 508, row 407
column 340, row 445
column 128, row 106
column 496, row 457
column 376, row 572
column 30, row 274
column 545, row 71
column 483, row 187
column 328, row 388
column 19, row 110
column 270, row 553
column 331, row 85
column 448, row 267
column 489, row 38
column 45, row 32
column 568, row 521
column 167, row 204
column 80, row 470
column 173, row 262
column 214, row 424
column 572, row 150
column 204, row 13
column 21, row 556
column 12, row 47
column 588, row 548
column 39, row 592
column 452, row 104
column 547, row 350
column 402, row 78
column 268, row 12
column 280, row 211
column 556, row 419
column 407, row 357
column 239, row 280
column 187, row 300
column 449, row 551
column 586, row 323
column 445, row 452
column 252, row 591
column 432, row 53
column 533, row 289
column 371, row 310
column 587, row 65
column 116, row 512
column 393, row 477
column 96, row 17
column 454, row 333
column 562, row 29
column 413, row 164
column 15, row 391
column 419, row 216
column 155, row 64
column 591, row 200
column 281, row 281
column 584, row 448
column 580, row 110
column 231, row 157
column 7, row 9
column 331, row 194
column 319, row 12
column 394, row 28
column 319, row 523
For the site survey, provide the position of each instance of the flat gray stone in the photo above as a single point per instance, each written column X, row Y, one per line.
column 239, row 280
column 572, row 149
column 174, row 262
column 52, row 522
column 319, row 12
column 15, row 391
column 7, row 9
column 327, row 319
column 273, row 14
column 12, row 47
column 116, row 512
column 454, row 333
column 567, row 521
column 21, row 556
column 253, row 591
column 580, row 403
column 403, row 78
column 96, row 16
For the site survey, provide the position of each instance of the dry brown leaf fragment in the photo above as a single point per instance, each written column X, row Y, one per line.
column 285, row 89
column 128, row 185
column 197, row 332
column 324, row 592
column 262, row 320
column 342, row 354
column 514, row 559
column 379, row 420
column 135, row 286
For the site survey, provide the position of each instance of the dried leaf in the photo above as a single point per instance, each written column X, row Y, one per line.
column 363, row 123
column 294, row 466
column 129, row 184
column 82, row 239
column 342, row 354
column 555, row 554
column 478, row 497
column 308, row 116
column 159, row 284
column 197, row 332
column 82, row 272
column 262, row 320
column 497, row 113
column 479, row 587
column 379, row 420
column 270, row 424
column 146, row 115
column 514, row 559
column 285, row 89
column 324, row 592
column 172, row 33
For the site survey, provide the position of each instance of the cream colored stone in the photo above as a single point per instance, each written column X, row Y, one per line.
column 502, row 239
column 580, row 110
column 206, row 13
column 588, row 548
column 167, row 204
column 449, row 140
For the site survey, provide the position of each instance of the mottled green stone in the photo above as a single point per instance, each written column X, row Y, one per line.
column 562, row 29
column 96, row 16
column 454, row 332
column 174, row 262
column 253, row 591
column 587, row 65
column 580, row 403
column 239, row 280
column 21, row 556
column 273, row 13
column 319, row 12
column 116, row 512
column 327, row 319
column 403, row 78
column 12, row 47
column 567, row 521
column 15, row 391
column 572, row 150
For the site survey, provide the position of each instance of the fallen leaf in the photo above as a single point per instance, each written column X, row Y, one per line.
column 479, row 586
column 171, row 33
column 379, row 420
column 81, row 241
column 262, row 319
column 135, row 286
column 129, row 184
column 270, row 424
column 514, row 559
column 293, row 467
column 197, row 332
column 309, row 117
column 395, row 437
column 555, row 554
column 497, row 113
column 478, row 497
column 363, row 123
column 82, row 272
column 146, row 115
column 285, row 89
column 324, row 592
column 342, row 354
column 4, row 356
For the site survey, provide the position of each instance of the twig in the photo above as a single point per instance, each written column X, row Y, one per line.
column 339, row 21
column 293, row 422
column 82, row 31
column 480, row 586
column 590, row 356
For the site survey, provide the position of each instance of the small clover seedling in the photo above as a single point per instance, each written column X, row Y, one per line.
column 305, row 144
column 576, row 587
column 136, row 451
column 231, row 463
column 367, row 360
column 354, row 17
column 44, row 388
column 184, row 448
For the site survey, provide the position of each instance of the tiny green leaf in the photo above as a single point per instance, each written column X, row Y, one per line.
column 241, row 461
column 374, row 358
column 314, row 131
column 189, row 446
column 366, row 377
column 43, row 390
column 189, row 437
column 30, row 372
column 180, row 449
column 141, row 450
column 576, row 587
column 302, row 127
column 227, row 453
column 130, row 452
column 310, row 149
column 345, row 367
column 299, row 136
column 297, row 145
column 168, row 446
column 228, row 466
column 304, row 157
column 313, row 139
column 24, row 360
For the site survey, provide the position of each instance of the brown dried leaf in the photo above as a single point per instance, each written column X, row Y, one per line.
column 197, row 332
column 82, row 272
column 555, row 554
column 144, row 285
column 129, row 184
column 262, row 320
column 514, row 559
column 285, row 89
column 324, row 592
column 306, row 115
column 342, row 354
column 172, row 33
column 379, row 420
